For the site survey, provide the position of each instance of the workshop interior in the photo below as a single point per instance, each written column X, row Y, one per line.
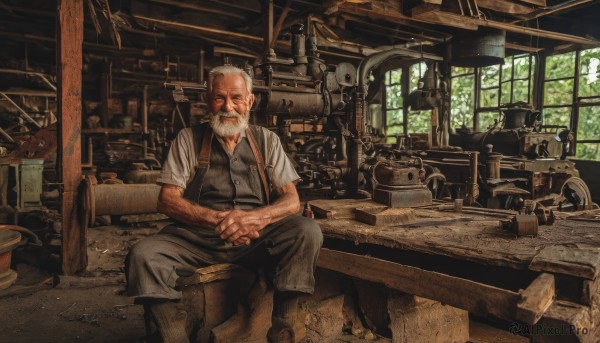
column 447, row 148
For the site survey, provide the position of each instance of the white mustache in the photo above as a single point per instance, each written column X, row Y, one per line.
column 230, row 114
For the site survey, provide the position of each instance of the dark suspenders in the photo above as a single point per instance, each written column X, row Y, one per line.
column 260, row 162
column 204, row 158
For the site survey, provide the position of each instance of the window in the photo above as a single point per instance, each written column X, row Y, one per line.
column 489, row 96
column 516, row 85
column 394, row 113
column 572, row 98
column 559, row 85
column 588, row 111
column 497, row 86
column 418, row 121
column 462, row 100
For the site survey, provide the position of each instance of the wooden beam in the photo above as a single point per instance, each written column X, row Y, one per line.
column 199, row 28
column 268, row 14
column 280, row 20
column 69, row 63
column 468, row 295
column 520, row 47
column 505, row 6
column 541, row 3
column 536, row 299
column 456, row 20
column 553, row 9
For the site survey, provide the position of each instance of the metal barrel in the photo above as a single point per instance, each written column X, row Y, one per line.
column 117, row 199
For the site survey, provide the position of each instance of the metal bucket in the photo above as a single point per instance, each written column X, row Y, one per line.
column 485, row 48
column 8, row 241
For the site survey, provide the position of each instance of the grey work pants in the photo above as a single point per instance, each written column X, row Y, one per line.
column 289, row 248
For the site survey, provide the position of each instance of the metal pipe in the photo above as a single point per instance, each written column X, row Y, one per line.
column 199, row 28
column 6, row 135
column 90, row 151
column 40, row 75
column 473, row 187
column 201, row 66
column 23, row 113
column 207, row 9
column 145, row 119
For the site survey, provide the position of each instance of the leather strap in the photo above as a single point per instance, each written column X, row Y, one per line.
column 261, row 164
column 204, row 155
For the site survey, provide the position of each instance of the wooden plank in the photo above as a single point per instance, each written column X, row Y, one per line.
column 505, row 6
column 465, row 294
column 459, row 21
column 536, row 299
column 484, row 333
column 385, row 216
column 526, row 48
column 541, row 3
column 222, row 271
column 416, row 319
column 590, row 292
column 69, row 64
column 574, row 261
column 571, row 323
column 341, row 208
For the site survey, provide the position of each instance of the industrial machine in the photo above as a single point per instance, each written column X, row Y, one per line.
column 516, row 159
column 320, row 111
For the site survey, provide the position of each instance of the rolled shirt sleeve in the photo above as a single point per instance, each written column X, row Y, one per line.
column 280, row 169
column 179, row 166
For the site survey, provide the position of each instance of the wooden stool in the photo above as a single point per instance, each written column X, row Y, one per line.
column 227, row 303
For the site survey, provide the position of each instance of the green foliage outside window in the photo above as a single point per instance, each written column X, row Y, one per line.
column 488, row 97
column 589, row 123
column 416, row 71
column 559, row 66
column 419, row 121
column 394, row 104
column 462, row 100
column 589, row 74
column 487, row 119
column 558, row 92
column 517, row 83
column 393, row 96
column 520, row 88
column 588, row 151
column 490, row 76
column 557, row 116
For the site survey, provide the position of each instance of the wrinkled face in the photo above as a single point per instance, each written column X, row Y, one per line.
column 229, row 105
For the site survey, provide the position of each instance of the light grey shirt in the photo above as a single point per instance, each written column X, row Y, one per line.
column 180, row 166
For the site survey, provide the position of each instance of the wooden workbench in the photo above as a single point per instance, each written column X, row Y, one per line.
column 568, row 252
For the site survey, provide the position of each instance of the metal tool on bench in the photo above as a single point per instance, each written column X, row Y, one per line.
column 399, row 183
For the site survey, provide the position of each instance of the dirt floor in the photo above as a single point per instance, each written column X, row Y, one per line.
column 88, row 308
column 93, row 307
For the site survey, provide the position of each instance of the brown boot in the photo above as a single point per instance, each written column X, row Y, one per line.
column 170, row 321
column 280, row 332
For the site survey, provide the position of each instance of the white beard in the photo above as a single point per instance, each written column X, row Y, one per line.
column 227, row 129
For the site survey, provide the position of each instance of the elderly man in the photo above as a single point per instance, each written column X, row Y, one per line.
column 216, row 184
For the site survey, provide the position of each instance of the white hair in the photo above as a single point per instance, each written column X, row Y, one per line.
column 226, row 70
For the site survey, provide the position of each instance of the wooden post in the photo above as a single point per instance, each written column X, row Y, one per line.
column 268, row 14
column 69, row 62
